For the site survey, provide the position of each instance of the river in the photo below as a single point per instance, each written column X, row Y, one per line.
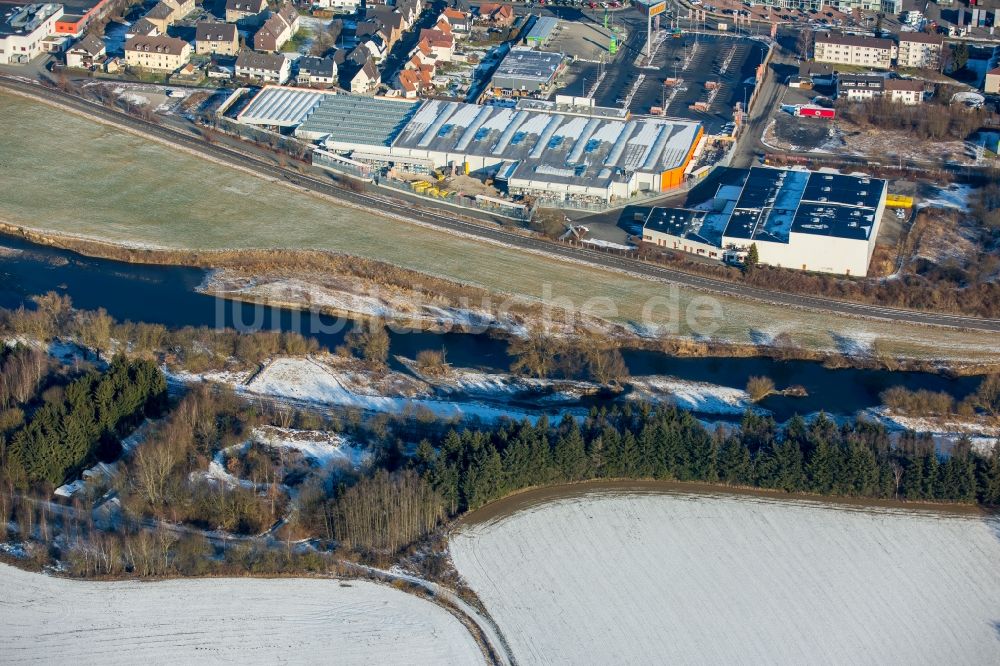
column 167, row 295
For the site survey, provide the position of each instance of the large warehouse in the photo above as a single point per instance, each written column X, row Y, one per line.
column 550, row 151
column 814, row 221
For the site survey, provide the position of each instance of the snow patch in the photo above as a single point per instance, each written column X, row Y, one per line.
column 695, row 396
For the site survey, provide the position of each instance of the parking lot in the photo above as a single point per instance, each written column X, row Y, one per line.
column 581, row 40
column 696, row 76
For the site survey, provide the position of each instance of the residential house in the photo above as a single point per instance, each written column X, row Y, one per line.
column 439, row 41
column 991, row 85
column 219, row 38
column 854, row 50
column 367, row 79
column 918, row 49
column 348, row 6
column 159, row 53
column 410, row 9
column 86, row 53
column 166, row 12
column 142, row 28
column 904, row 91
column 377, row 47
column 277, row 29
column 270, row 67
column 248, row 13
column 317, row 72
column 495, row 15
column 456, row 18
column 414, row 81
column 389, row 20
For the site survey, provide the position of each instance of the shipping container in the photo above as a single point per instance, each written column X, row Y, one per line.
column 814, row 112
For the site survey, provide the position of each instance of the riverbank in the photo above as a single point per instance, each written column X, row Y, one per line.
column 355, row 287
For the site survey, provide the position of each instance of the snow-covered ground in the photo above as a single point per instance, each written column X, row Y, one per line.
column 695, row 396
column 659, row 578
column 51, row 620
column 954, row 196
column 347, row 296
column 308, row 380
column 327, row 450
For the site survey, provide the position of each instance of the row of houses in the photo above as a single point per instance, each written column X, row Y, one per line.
column 863, row 88
column 436, row 46
column 908, row 49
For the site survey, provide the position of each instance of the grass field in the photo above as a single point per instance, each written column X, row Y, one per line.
column 66, row 174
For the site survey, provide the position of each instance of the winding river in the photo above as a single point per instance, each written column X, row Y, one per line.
column 167, row 295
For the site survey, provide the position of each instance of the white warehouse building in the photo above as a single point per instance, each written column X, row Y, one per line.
column 815, row 221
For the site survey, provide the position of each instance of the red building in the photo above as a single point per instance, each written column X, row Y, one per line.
column 79, row 14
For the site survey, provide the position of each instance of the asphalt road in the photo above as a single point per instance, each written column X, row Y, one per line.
column 498, row 234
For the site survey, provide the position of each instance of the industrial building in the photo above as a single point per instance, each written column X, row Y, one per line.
column 526, row 72
column 24, row 30
column 541, row 32
column 551, row 151
column 816, row 221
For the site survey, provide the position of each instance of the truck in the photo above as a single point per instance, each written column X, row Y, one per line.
column 810, row 111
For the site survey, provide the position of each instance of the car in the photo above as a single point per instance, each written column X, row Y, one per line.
column 592, row 5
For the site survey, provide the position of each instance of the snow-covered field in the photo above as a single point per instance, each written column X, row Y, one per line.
column 51, row 620
column 661, row 578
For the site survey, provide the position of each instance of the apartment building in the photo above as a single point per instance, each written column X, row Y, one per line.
column 854, row 50
column 918, row 49
column 157, row 54
column 220, row 38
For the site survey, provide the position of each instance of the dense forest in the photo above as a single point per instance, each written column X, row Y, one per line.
column 474, row 467
column 79, row 422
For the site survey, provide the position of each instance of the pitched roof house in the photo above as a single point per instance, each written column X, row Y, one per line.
column 142, row 28
column 277, row 29
column 159, row 53
column 86, row 53
column 238, row 11
column 316, row 72
column 221, row 38
column 366, row 80
column 264, row 66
